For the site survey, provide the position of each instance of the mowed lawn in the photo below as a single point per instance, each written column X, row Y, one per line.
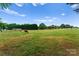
column 55, row 42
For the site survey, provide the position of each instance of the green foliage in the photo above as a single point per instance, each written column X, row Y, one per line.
column 75, row 9
column 22, row 26
column 62, row 26
column 4, row 5
column 53, row 27
column 32, row 26
column 65, row 26
column 42, row 26
column 29, row 26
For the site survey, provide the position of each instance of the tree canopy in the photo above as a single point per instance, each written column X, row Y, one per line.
column 42, row 26
column 4, row 5
column 77, row 8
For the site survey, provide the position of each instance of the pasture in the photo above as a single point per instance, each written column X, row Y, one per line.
column 55, row 42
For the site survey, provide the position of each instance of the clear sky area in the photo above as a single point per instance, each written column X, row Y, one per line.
column 36, row 13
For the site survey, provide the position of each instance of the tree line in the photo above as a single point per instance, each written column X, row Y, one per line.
column 33, row 26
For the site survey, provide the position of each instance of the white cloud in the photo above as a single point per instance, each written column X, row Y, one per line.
column 54, row 18
column 36, row 4
column 75, row 5
column 19, row 4
column 63, row 14
column 12, row 12
column 43, row 20
column 22, row 15
column 42, row 3
column 50, row 20
column 47, row 19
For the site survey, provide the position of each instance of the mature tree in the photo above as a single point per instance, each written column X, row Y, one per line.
column 62, row 26
column 11, row 26
column 34, row 26
column 67, row 26
column 29, row 26
column 52, row 27
column 4, row 5
column 77, row 8
column 42, row 26
column 49, row 27
column 1, row 24
column 25, row 26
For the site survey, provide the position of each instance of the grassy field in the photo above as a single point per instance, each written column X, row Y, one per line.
column 56, row 42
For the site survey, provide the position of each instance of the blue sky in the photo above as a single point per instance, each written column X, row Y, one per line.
column 48, row 13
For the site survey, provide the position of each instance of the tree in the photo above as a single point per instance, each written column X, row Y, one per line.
column 52, row 27
column 42, row 26
column 67, row 26
column 11, row 26
column 34, row 26
column 1, row 23
column 25, row 26
column 49, row 27
column 29, row 26
column 62, row 26
column 4, row 5
column 77, row 8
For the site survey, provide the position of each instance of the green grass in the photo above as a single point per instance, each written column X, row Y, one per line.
column 56, row 42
